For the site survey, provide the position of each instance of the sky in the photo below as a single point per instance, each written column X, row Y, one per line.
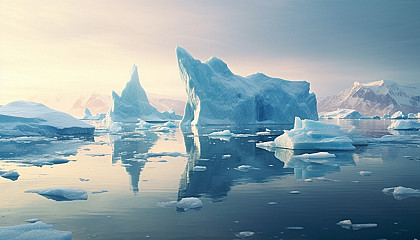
column 56, row 51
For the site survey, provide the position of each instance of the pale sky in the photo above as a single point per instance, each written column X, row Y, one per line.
column 55, row 51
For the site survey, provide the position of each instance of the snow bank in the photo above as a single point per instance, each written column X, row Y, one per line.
column 309, row 134
column 404, row 125
column 62, row 194
column 401, row 193
column 33, row 231
column 23, row 118
column 217, row 96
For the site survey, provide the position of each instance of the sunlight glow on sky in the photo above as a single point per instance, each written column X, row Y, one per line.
column 56, row 51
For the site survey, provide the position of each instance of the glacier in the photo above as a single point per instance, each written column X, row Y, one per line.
column 314, row 135
column 133, row 104
column 217, row 96
column 22, row 118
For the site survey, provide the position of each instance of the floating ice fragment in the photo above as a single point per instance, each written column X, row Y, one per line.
column 244, row 234
column 84, row 179
column 184, row 203
column 161, row 154
column 100, row 191
column 294, row 192
column 224, row 133
column 401, row 193
column 199, row 168
column 12, row 175
column 347, row 224
column 404, row 125
column 226, row 156
column 162, row 129
column 170, row 124
column 272, row 203
column 246, row 168
column 32, row 220
column 294, row 228
column 61, row 194
column 33, row 231
column 365, row 173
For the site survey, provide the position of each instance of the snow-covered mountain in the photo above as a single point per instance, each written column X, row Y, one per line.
column 97, row 103
column 374, row 98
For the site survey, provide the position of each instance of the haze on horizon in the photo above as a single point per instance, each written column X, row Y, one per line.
column 56, row 51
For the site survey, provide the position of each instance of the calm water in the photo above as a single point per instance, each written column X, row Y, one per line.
column 258, row 200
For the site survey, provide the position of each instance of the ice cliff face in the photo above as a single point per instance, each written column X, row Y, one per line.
column 375, row 98
column 133, row 104
column 217, row 96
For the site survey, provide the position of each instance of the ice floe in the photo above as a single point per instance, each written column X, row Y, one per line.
column 61, row 194
column 347, row 224
column 33, row 231
column 246, row 168
column 184, row 203
column 11, row 174
column 315, row 135
column 199, row 168
column 401, row 192
column 244, row 234
column 404, row 125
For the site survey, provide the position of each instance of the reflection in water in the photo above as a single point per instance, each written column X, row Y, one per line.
column 126, row 146
column 220, row 158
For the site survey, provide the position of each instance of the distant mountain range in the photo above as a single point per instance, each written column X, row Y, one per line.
column 374, row 98
column 101, row 103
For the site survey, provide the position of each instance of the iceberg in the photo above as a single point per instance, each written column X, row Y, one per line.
column 133, row 104
column 22, row 118
column 33, row 231
column 61, row 194
column 344, row 114
column 88, row 115
column 399, row 115
column 217, row 96
column 12, row 175
column 314, row 135
column 401, row 193
column 404, row 125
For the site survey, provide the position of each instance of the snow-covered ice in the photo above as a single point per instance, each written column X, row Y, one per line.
column 318, row 155
column 404, row 125
column 217, row 96
column 401, row 192
column 224, row 133
column 62, row 194
column 347, row 224
column 314, row 135
column 22, row 118
column 133, row 104
column 33, row 231
column 399, row 115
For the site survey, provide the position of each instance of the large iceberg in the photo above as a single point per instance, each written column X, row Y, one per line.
column 23, row 118
column 217, row 96
column 314, row 135
column 133, row 104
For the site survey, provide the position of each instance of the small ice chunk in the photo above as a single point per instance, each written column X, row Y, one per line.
column 294, row 228
column 32, row 220
column 170, row 124
column 244, row 234
column 61, row 194
column 84, row 179
column 318, row 155
column 162, row 129
column 401, row 193
column 226, row 156
column 184, row 203
column 34, row 231
column 199, row 168
column 12, row 175
column 272, row 203
column 294, row 192
column 221, row 133
column 100, row 191
column 365, row 173
column 347, row 224
column 246, row 168
column 262, row 133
